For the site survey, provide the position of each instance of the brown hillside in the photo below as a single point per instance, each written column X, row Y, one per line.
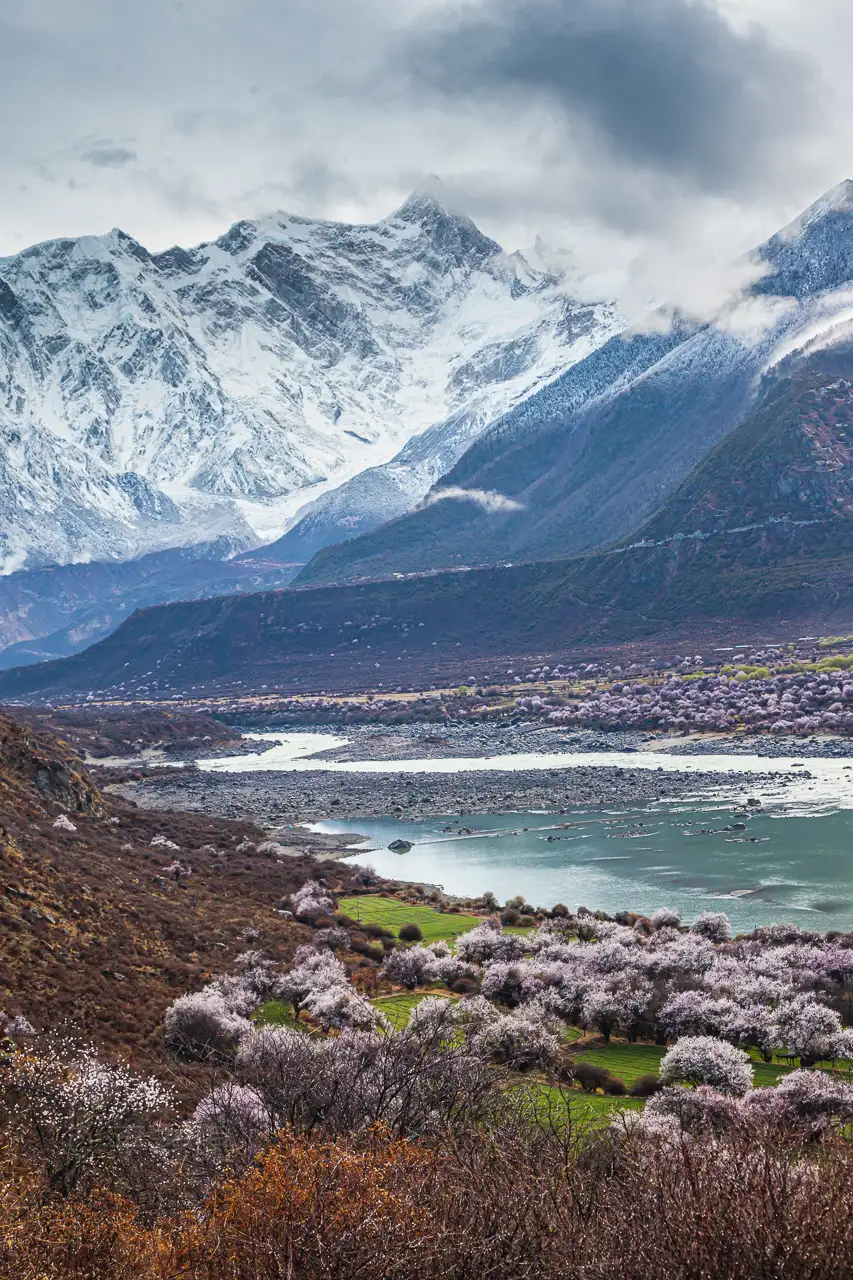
column 91, row 931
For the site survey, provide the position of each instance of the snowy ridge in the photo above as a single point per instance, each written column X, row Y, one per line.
column 594, row 453
column 153, row 400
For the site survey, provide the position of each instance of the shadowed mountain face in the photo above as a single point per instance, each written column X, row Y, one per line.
column 790, row 460
column 50, row 613
column 436, row 629
column 591, row 457
column 785, row 562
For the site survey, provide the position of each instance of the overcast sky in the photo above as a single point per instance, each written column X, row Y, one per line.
column 652, row 134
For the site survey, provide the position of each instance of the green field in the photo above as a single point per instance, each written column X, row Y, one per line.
column 593, row 1108
column 392, row 914
column 275, row 1013
column 586, row 1109
column 397, row 1009
column 628, row 1061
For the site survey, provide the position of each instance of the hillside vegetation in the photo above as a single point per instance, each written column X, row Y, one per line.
column 107, row 911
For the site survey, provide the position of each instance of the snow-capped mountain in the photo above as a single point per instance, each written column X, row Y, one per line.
column 150, row 400
column 590, row 457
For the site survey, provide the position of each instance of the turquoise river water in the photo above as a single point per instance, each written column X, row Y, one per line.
column 793, row 860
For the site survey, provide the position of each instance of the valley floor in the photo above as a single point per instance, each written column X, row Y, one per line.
column 277, row 799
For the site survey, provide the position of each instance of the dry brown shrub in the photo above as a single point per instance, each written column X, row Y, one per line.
column 507, row 1200
column 99, row 1238
column 345, row 1210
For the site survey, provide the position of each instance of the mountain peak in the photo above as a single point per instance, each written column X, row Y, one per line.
column 432, row 210
column 838, row 199
column 429, row 196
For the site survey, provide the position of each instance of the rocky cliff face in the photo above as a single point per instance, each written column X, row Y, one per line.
column 38, row 772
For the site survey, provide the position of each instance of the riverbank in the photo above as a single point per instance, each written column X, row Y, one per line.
column 625, row 829
column 279, row 799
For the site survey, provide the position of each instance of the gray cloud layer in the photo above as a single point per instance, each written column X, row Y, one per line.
column 641, row 134
column 664, row 84
column 107, row 155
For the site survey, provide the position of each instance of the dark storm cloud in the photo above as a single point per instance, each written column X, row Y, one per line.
column 666, row 85
column 109, row 156
column 616, row 128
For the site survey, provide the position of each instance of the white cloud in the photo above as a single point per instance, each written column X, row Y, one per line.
column 487, row 499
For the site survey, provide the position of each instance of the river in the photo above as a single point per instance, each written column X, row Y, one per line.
column 792, row 860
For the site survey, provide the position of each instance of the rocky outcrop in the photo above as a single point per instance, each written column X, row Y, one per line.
column 37, row 772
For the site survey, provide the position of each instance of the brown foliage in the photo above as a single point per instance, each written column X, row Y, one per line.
column 99, row 1238
column 504, row 1202
column 313, row 1209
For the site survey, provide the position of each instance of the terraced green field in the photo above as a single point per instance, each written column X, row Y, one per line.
column 397, row 1009
column 628, row 1061
column 393, row 914
column 275, row 1013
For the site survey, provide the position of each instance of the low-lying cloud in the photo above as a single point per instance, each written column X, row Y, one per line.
column 652, row 138
column 109, row 156
column 487, row 499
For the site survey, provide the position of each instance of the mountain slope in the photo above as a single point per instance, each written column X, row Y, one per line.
column 152, row 400
column 48, row 613
column 791, row 459
column 95, row 936
column 504, row 371
column 757, row 541
column 766, row 585
column 592, row 455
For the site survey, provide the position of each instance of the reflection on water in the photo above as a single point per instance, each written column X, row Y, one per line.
column 780, row 867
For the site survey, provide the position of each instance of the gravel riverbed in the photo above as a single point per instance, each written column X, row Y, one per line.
column 429, row 741
column 278, row 799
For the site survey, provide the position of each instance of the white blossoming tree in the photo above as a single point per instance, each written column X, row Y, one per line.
column 706, row 1060
column 409, row 966
column 311, row 901
column 807, row 1029
column 314, row 971
column 342, row 1008
column 203, row 1024
column 85, row 1118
